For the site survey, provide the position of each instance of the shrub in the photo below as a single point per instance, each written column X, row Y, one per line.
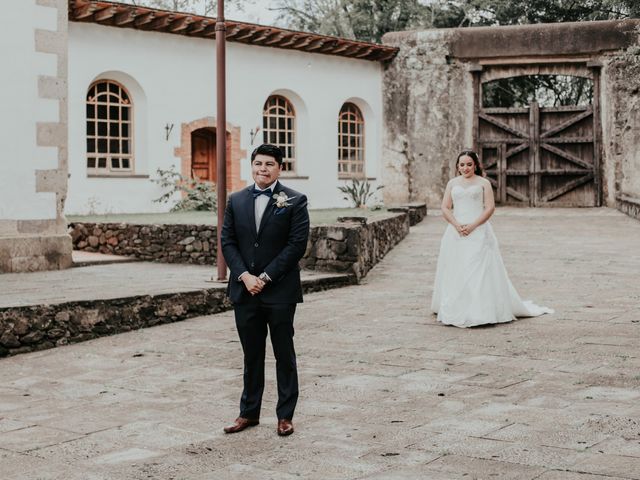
column 359, row 192
column 196, row 194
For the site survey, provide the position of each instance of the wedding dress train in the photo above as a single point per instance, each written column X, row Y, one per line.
column 471, row 285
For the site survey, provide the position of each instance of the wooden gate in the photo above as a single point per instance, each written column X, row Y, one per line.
column 542, row 156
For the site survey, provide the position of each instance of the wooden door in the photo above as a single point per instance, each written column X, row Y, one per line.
column 541, row 156
column 203, row 154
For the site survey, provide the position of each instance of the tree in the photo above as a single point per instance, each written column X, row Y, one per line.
column 364, row 20
column 513, row 12
column 199, row 7
column 369, row 20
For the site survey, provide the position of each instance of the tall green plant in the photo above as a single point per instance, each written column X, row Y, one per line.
column 196, row 194
column 359, row 192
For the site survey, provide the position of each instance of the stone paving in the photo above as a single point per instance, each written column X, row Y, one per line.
column 386, row 391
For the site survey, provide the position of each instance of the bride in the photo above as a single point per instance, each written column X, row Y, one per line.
column 471, row 285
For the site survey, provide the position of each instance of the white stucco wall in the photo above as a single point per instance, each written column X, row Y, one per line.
column 172, row 81
column 22, row 109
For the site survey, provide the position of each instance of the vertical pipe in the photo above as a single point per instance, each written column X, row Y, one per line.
column 221, row 133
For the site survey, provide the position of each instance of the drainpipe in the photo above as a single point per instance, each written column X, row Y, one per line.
column 221, row 134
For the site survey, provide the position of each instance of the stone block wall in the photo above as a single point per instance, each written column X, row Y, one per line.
column 428, row 96
column 31, row 328
column 349, row 246
column 428, row 112
column 354, row 245
column 194, row 244
column 621, row 130
column 416, row 211
column 26, row 329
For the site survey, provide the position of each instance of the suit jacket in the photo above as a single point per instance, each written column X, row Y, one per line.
column 276, row 248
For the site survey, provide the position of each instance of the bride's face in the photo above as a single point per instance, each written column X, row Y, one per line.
column 466, row 166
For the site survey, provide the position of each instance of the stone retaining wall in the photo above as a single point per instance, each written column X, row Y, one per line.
column 354, row 245
column 629, row 205
column 159, row 243
column 38, row 327
column 350, row 246
column 416, row 211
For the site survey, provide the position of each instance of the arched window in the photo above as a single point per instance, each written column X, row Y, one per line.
column 350, row 142
column 109, row 128
column 279, row 128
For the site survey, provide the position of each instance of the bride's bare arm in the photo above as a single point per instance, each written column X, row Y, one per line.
column 446, row 207
column 489, row 208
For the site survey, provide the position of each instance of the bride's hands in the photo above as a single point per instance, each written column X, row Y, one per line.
column 460, row 230
column 466, row 230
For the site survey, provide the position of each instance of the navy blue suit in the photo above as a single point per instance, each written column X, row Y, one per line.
column 275, row 248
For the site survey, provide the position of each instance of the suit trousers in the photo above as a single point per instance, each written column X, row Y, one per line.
column 253, row 319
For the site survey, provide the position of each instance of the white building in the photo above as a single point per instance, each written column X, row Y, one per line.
column 161, row 68
column 33, row 136
column 103, row 94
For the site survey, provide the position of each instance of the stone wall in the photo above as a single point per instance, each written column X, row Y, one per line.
column 159, row 243
column 31, row 328
column 354, row 245
column 25, row 329
column 348, row 246
column 416, row 211
column 621, row 129
column 428, row 116
column 429, row 97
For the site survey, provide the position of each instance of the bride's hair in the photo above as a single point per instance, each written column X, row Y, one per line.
column 478, row 170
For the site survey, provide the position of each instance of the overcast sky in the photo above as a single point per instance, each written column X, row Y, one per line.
column 255, row 11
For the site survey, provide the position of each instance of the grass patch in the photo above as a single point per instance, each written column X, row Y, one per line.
column 318, row 217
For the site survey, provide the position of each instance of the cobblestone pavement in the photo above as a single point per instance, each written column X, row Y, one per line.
column 386, row 392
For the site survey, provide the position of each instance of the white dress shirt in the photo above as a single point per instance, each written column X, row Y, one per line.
column 261, row 202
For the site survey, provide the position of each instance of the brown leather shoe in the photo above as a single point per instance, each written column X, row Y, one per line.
column 285, row 427
column 240, row 424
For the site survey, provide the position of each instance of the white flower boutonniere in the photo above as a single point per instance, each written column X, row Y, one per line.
column 281, row 200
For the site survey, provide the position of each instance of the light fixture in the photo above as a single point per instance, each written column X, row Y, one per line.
column 167, row 128
column 253, row 133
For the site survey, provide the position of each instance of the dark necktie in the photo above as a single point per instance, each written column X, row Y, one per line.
column 257, row 193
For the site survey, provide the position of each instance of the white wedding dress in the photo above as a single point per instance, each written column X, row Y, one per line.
column 472, row 286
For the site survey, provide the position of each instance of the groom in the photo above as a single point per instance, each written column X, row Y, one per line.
column 264, row 236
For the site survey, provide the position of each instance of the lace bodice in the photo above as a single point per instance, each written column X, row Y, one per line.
column 468, row 202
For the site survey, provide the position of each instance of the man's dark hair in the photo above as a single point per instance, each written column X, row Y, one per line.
column 270, row 150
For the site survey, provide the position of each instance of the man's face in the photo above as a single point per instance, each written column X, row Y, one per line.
column 265, row 170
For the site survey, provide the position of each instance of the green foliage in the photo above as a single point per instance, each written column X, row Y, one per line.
column 547, row 90
column 196, row 194
column 199, row 7
column 364, row 20
column 369, row 20
column 359, row 192
column 515, row 12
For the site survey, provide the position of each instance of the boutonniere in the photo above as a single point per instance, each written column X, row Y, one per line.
column 281, row 201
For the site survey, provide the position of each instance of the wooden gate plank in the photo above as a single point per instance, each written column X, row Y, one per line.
column 567, row 187
column 567, row 156
column 502, row 126
column 534, row 153
column 566, row 124
column 519, row 196
column 518, row 149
